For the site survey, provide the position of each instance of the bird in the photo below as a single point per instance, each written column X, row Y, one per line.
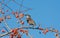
column 1, row 19
column 29, row 20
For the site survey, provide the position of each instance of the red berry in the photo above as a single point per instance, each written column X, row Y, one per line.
column 12, row 30
column 2, row 12
column 55, row 30
column 21, row 15
column 11, row 35
column 21, row 22
column 3, row 30
column 1, row 19
column 40, row 28
column 19, row 36
column 8, row 17
column 17, row 15
column 46, row 30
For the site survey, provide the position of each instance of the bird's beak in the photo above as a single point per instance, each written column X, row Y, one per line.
column 27, row 15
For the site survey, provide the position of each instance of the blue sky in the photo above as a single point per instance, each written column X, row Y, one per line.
column 45, row 12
